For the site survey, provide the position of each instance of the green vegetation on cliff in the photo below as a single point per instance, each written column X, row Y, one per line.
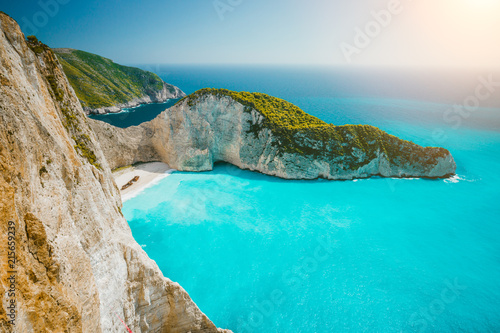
column 299, row 132
column 99, row 82
column 72, row 122
column 278, row 111
column 35, row 45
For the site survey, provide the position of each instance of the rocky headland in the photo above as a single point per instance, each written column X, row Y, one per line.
column 258, row 132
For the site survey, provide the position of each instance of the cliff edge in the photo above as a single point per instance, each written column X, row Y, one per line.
column 77, row 268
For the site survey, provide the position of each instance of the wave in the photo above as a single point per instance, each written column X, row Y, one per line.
column 458, row 178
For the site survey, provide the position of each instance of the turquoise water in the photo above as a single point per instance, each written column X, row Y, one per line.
column 260, row 254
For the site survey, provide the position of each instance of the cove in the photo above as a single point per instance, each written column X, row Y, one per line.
column 245, row 246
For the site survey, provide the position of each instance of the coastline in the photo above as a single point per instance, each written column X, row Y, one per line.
column 130, row 109
column 162, row 96
column 119, row 108
column 149, row 174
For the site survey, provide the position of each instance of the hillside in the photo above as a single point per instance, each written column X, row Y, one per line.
column 103, row 86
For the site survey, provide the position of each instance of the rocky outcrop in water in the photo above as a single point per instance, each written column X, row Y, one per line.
column 78, row 267
column 261, row 133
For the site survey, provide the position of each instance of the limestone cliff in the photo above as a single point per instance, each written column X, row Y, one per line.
column 104, row 86
column 269, row 135
column 78, row 267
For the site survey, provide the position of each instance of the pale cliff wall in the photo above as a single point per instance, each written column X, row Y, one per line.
column 193, row 135
column 78, row 268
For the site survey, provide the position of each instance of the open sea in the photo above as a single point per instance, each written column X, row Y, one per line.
column 261, row 254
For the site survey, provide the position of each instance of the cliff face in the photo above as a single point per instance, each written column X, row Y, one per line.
column 212, row 126
column 78, row 267
column 104, row 86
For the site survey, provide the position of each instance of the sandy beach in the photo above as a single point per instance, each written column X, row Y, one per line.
column 149, row 174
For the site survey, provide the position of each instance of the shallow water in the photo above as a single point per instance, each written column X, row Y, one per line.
column 261, row 254
column 231, row 238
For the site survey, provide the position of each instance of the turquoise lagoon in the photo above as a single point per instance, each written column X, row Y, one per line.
column 261, row 254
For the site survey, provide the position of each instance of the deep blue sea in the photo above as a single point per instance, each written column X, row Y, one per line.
column 134, row 116
column 261, row 254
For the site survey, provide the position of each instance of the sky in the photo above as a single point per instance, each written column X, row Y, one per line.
column 376, row 33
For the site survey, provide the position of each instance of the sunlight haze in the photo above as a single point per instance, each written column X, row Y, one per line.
column 426, row 33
